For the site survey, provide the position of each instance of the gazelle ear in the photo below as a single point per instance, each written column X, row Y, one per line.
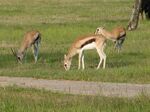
column 65, row 56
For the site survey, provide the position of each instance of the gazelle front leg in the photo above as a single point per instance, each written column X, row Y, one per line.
column 99, row 63
column 104, row 63
column 102, row 57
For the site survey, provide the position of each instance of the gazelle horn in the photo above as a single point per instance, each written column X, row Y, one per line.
column 14, row 53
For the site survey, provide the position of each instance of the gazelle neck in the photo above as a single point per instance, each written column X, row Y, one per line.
column 22, row 50
column 71, row 53
column 108, row 35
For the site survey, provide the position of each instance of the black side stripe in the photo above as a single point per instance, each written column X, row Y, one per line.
column 121, row 37
column 87, row 42
column 38, row 36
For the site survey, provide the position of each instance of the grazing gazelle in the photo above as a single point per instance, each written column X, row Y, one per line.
column 84, row 43
column 117, row 35
column 31, row 38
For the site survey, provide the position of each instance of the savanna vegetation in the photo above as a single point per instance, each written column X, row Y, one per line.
column 30, row 100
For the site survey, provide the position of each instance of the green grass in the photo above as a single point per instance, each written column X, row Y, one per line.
column 60, row 22
column 29, row 100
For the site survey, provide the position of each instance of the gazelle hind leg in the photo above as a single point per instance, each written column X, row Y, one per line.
column 36, row 51
column 39, row 42
column 79, row 60
column 82, row 58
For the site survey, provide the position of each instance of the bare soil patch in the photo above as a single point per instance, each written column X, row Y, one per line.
column 79, row 87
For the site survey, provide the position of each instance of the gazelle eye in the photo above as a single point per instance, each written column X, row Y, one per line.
column 97, row 29
column 65, row 65
column 18, row 58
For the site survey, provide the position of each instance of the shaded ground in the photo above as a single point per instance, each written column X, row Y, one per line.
column 79, row 87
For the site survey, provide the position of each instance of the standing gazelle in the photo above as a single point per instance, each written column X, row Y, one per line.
column 31, row 38
column 88, row 42
column 117, row 35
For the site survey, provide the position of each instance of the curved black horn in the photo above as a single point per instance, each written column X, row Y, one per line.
column 14, row 53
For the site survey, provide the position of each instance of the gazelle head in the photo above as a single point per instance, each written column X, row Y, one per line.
column 19, row 56
column 99, row 30
column 67, row 63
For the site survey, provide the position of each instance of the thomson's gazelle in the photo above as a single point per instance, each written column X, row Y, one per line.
column 31, row 38
column 117, row 35
column 84, row 43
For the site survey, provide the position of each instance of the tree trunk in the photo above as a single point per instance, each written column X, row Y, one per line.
column 133, row 23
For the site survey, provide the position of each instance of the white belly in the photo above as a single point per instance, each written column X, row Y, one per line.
column 89, row 46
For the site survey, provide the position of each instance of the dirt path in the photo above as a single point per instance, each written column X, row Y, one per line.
column 79, row 87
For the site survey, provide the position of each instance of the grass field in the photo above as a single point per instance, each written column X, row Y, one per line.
column 29, row 100
column 60, row 22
